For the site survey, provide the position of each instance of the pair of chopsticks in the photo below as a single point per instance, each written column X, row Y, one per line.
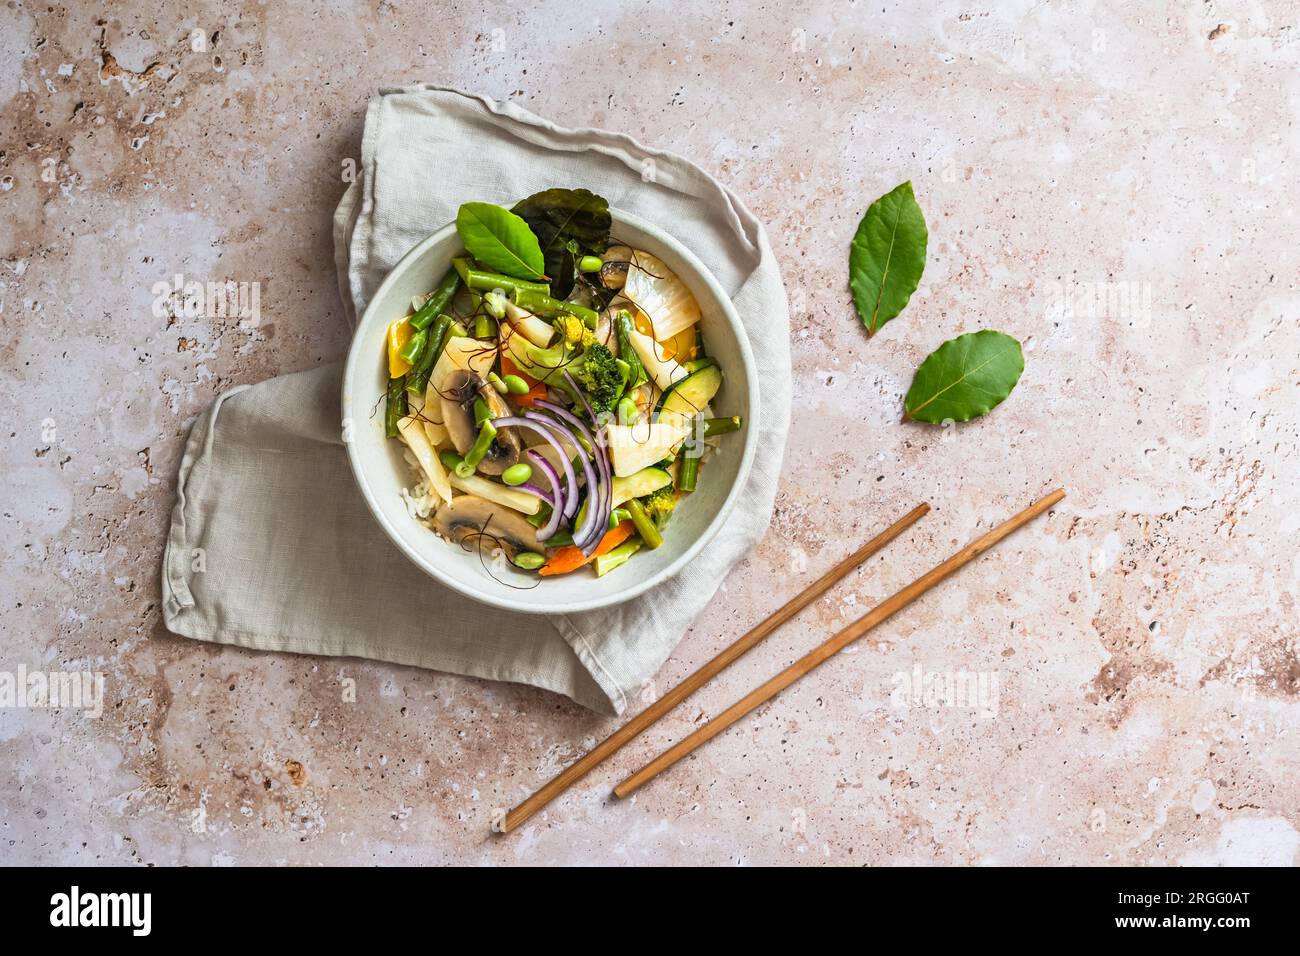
column 765, row 692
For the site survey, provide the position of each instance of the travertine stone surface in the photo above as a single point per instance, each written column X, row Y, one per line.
column 1112, row 183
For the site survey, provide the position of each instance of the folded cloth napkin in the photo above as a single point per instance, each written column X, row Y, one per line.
column 271, row 545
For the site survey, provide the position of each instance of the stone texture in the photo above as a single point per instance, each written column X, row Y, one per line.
column 1143, row 638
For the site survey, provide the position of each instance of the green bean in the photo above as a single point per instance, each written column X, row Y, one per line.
column 486, row 436
column 437, row 302
column 515, row 385
column 450, row 460
column 395, row 405
column 517, row 474
column 529, row 560
column 589, row 264
column 721, row 426
column 644, row 526
column 414, row 348
column 617, row 517
column 481, row 412
column 418, row 377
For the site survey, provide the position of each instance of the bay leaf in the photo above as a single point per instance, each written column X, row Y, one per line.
column 887, row 257
column 965, row 377
column 569, row 223
column 500, row 241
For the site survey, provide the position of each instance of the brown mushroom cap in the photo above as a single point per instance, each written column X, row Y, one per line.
column 486, row 525
column 458, row 393
column 613, row 274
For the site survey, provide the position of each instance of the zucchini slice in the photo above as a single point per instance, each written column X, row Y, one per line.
column 692, row 394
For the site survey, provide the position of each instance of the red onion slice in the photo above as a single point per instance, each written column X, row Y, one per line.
column 603, row 497
column 556, row 500
column 545, row 429
column 582, row 535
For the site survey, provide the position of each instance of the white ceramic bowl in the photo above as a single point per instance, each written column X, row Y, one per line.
column 382, row 473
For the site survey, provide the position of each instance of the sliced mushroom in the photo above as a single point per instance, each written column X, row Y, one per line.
column 459, row 391
column 613, row 274
column 485, row 525
column 605, row 329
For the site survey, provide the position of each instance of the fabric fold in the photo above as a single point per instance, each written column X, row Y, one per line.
column 271, row 545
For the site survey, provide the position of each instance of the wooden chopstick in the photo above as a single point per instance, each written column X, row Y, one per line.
column 611, row 744
column 879, row 613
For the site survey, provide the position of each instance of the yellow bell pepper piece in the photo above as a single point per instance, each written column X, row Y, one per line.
column 681, row 347
column 399, row 333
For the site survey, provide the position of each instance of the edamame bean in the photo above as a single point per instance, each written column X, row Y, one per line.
column 516, row 385
column 517, row 474
column 496, row 382
column 628, row 413
column 590, row 263
column 529, row 560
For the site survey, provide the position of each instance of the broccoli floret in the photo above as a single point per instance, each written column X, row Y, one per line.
column 598, row 373
column 659, row 505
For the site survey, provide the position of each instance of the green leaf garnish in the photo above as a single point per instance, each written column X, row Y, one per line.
column 569, row 223
column 965, row 377
column 500, row 241
column 887, row 257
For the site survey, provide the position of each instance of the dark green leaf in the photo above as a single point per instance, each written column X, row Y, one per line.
column 965, row 377
column 887, row 257
column 500, row 241
column 560, row 218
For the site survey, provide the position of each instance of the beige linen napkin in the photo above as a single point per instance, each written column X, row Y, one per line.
column 271, row 545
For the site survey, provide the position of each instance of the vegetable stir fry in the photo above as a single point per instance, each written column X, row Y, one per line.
column 552, row 390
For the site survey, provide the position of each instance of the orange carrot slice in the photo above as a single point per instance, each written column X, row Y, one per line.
column 571, row 558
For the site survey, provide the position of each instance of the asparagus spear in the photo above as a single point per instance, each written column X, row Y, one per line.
column 688, row 470
column 721, row 426
column 644, row 526
column 480, row 281
column 616, row 557
column 541, row 303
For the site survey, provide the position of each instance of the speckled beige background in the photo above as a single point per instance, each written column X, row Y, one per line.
column 1113, row 183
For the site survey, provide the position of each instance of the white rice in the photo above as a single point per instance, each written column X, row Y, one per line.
column 419, row 499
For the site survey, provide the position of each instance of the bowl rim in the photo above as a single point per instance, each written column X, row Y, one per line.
column 530, row 605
